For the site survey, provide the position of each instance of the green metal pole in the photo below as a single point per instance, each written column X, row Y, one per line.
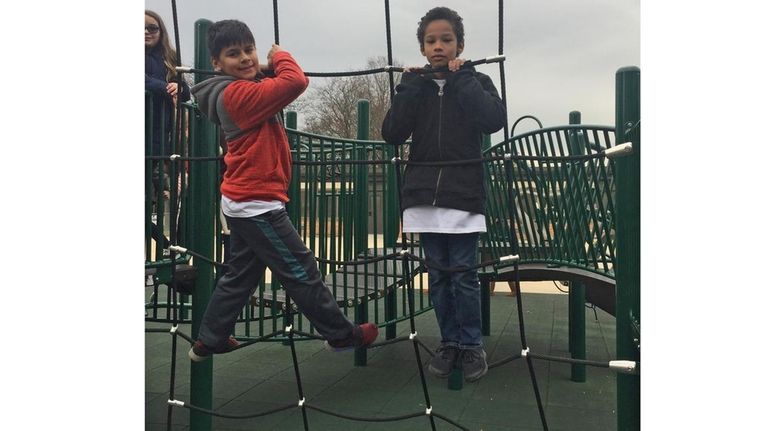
column 577, row 290
column 390, row 230
column 362, row 212
column 486, row 283
column 627, row 270
column 147, row 172
column 203, row 193
column 292, row 207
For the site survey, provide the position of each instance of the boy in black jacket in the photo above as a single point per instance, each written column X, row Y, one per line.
column 446, row 114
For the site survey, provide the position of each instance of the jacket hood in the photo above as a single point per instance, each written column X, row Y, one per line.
column 209, row 95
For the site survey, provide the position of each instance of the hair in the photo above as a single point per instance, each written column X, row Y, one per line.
column 455, row 20
column 168, row 53
column 226, row 33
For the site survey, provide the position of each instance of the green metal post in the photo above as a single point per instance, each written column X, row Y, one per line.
column 391, row 219
column 577, row 290
column 361, row 221
column 292, row 207
column 627, row 270
column 203, row 175
column 486, row 284
column 486, row 143
column 147, row 171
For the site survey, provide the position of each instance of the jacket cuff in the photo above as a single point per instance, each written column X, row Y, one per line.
column 464, row 72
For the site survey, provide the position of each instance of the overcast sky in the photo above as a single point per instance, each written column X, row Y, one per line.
column 561, row 55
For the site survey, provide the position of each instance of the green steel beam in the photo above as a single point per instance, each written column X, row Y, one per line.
column 627, row 105
column 293, row 206
column 362, row 211
column 577, row 290
column 203, row 176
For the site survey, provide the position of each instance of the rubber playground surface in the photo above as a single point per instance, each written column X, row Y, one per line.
column 261, row 377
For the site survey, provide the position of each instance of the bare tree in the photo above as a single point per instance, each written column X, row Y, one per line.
column 330, row 109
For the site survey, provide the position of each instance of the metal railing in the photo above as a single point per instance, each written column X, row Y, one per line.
column 564, row 209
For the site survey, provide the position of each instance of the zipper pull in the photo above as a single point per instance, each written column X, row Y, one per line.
column 441, row 91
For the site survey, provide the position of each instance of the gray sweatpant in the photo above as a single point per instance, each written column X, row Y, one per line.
column 270, row 240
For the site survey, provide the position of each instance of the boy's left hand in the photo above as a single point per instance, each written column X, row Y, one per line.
column 456, row 64
column 275, row 48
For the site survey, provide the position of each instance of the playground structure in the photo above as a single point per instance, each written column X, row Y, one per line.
column 558, row 209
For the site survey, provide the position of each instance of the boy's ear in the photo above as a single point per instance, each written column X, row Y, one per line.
column 460, row 47
column 215, row 63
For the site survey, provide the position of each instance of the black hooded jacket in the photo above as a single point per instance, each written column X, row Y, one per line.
column 444, row 126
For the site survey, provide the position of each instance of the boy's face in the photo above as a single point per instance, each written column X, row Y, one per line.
column 239, row 61
column 440, row 43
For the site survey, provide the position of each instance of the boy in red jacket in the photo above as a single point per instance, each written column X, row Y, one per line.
column 254, row 193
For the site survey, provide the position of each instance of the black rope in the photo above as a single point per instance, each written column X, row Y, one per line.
column 358, row 262
column 309, row 335
column 204, row 258
column 177, row 135
column 438, row 267
column 446, row 419
column 353, row 73
column 296, row 371
column 376, row 70
column 505, row 360
column 258, row 339
column 275, row 21
column 391, row 341
column 390, row 49
column 410, row 301
column 178, row 333
column 340, row 162
column 232, row 416
column 515, row 157
column 500, row 38
column 365, row 419
column 178, row 158
column 570, row 360
column 517, row 287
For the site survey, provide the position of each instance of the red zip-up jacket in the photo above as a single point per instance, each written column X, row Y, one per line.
column 258, row 159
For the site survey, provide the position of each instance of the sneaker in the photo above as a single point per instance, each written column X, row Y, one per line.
column 474, row 362
column 363, row 336
column 200, row 352
column 443, row 361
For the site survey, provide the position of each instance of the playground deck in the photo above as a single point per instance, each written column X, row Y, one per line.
column 261, row 377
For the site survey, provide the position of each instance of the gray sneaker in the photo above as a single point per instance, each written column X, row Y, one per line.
column 443, row 361
column 474, row 362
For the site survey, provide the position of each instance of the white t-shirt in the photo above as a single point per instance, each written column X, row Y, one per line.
column 247, row 209
column 427, row 218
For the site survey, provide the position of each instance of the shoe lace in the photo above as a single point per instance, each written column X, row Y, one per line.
column 444, row 352
column 470, row 356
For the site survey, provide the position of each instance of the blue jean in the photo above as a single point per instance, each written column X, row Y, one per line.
column 456, row 296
